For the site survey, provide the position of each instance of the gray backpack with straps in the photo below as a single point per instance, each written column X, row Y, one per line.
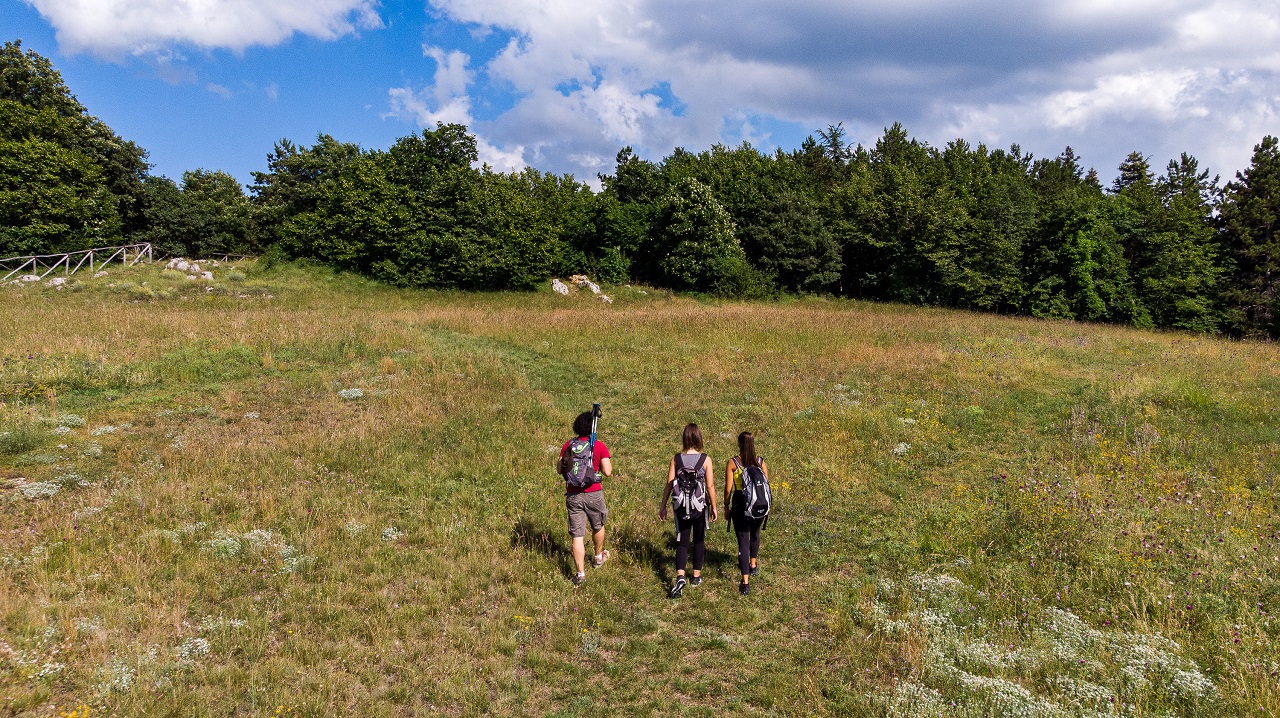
column 689, row 490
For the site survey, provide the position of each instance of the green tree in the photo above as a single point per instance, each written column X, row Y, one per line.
column 700, row 251
column 30, row 80
column 53, row 197
column 790, row 242
column 295, row 179
column 1250, row 220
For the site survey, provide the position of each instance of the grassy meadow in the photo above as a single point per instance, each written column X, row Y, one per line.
column 975, row 515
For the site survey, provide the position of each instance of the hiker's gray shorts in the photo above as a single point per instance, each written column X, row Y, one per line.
column 583, row 507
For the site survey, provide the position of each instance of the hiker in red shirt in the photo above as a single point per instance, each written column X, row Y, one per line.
column 583, row 497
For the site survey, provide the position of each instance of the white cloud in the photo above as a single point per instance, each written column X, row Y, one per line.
column 1160, row 76
column 219, row 90
column 447, row 100
column 116, row 27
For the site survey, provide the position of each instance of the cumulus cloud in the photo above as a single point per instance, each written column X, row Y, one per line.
column 117, row 27
column 1160, row 76
column 446, row 100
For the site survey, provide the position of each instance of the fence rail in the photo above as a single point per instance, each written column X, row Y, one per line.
column 42, row 265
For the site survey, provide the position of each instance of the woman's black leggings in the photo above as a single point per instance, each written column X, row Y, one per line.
column 748, row 542
column 695, row 530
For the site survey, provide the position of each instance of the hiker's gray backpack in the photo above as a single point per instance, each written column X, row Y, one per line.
column 578, row 464
column 689, row 491
column 757, row 499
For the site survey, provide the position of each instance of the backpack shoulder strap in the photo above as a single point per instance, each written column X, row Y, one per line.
column 702, row 459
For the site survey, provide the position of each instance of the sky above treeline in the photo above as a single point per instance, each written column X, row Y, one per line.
column 562, row 85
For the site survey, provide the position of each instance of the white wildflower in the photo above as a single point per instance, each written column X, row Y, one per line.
column 907, row 420
column 72, row 420
column 62, row 430
column 391, row 533
column 351, row 393
column 210, row 623
column 353, row 529
column 251, row 415
column 192, row 648
column 108, row 429
column 901, row 449
column 114, row 676
column 224, row 546
column 39, row 489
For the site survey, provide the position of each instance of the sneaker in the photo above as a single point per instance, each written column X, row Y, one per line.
column 598, row 561
column 744, row 589
column 695, row 581
column 678, row 588
column 754, row 570
column 579, row 578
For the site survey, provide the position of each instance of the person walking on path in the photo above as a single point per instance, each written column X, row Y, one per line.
column 583, row 494
column 746, row 527
column 692, row 493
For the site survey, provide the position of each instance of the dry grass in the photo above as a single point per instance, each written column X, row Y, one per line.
column 1054, row 460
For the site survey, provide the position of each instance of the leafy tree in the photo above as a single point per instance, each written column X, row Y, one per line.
column 698, row 247
column 1075, row 264
column 30, row 80
column 1180, row 275
column 1250, row 220
column 52, row 198
column 790, row 242
column 295, row 180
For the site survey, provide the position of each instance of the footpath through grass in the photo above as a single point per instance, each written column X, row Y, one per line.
column 974, row 515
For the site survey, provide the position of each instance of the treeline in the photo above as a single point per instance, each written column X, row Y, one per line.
column 958, row 226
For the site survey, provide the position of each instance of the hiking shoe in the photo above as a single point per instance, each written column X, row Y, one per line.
column 754, row 570
column 678, row 588
column 744, row 589
column 695, row 581
column 598, row 561
column 579, row 579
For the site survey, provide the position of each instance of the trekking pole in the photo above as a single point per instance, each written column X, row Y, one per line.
column 595, row 416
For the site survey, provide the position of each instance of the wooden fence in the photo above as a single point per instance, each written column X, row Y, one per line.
column 71, row 262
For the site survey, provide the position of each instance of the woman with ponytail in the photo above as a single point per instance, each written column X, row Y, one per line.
column 747, row 528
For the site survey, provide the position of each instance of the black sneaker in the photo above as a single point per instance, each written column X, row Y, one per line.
column 744, row 589
column 678, row 588
column 754, row 570
column 579, row 579
column 695, row 581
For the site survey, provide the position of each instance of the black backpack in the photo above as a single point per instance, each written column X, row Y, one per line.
column 577, row 464
column 757, row 499
column 689, row 490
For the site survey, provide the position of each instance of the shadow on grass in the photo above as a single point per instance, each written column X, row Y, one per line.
column 527, row 535
column 661, row 555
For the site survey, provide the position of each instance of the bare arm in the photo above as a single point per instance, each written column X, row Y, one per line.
column 711, row 488
column 606, row 466
column 728, row 482
column 666, row 490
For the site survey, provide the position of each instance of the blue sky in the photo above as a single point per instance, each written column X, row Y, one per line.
column 562, row 85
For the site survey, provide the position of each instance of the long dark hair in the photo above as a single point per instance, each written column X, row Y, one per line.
column 747, row 449
column 692, row 438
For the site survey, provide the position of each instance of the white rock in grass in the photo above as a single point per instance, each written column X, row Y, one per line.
column 191, row 276
column 605, row 298
column 182, row 265
column 351, row 393
column 57, row 281
column 99, row 274
column 29, row 278
column 559, row 287
column 194, row 268
column 208, row 276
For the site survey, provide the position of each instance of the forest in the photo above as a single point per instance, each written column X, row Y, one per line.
column 963, row 226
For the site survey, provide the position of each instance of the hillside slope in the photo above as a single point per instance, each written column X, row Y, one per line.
column 975, row 515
